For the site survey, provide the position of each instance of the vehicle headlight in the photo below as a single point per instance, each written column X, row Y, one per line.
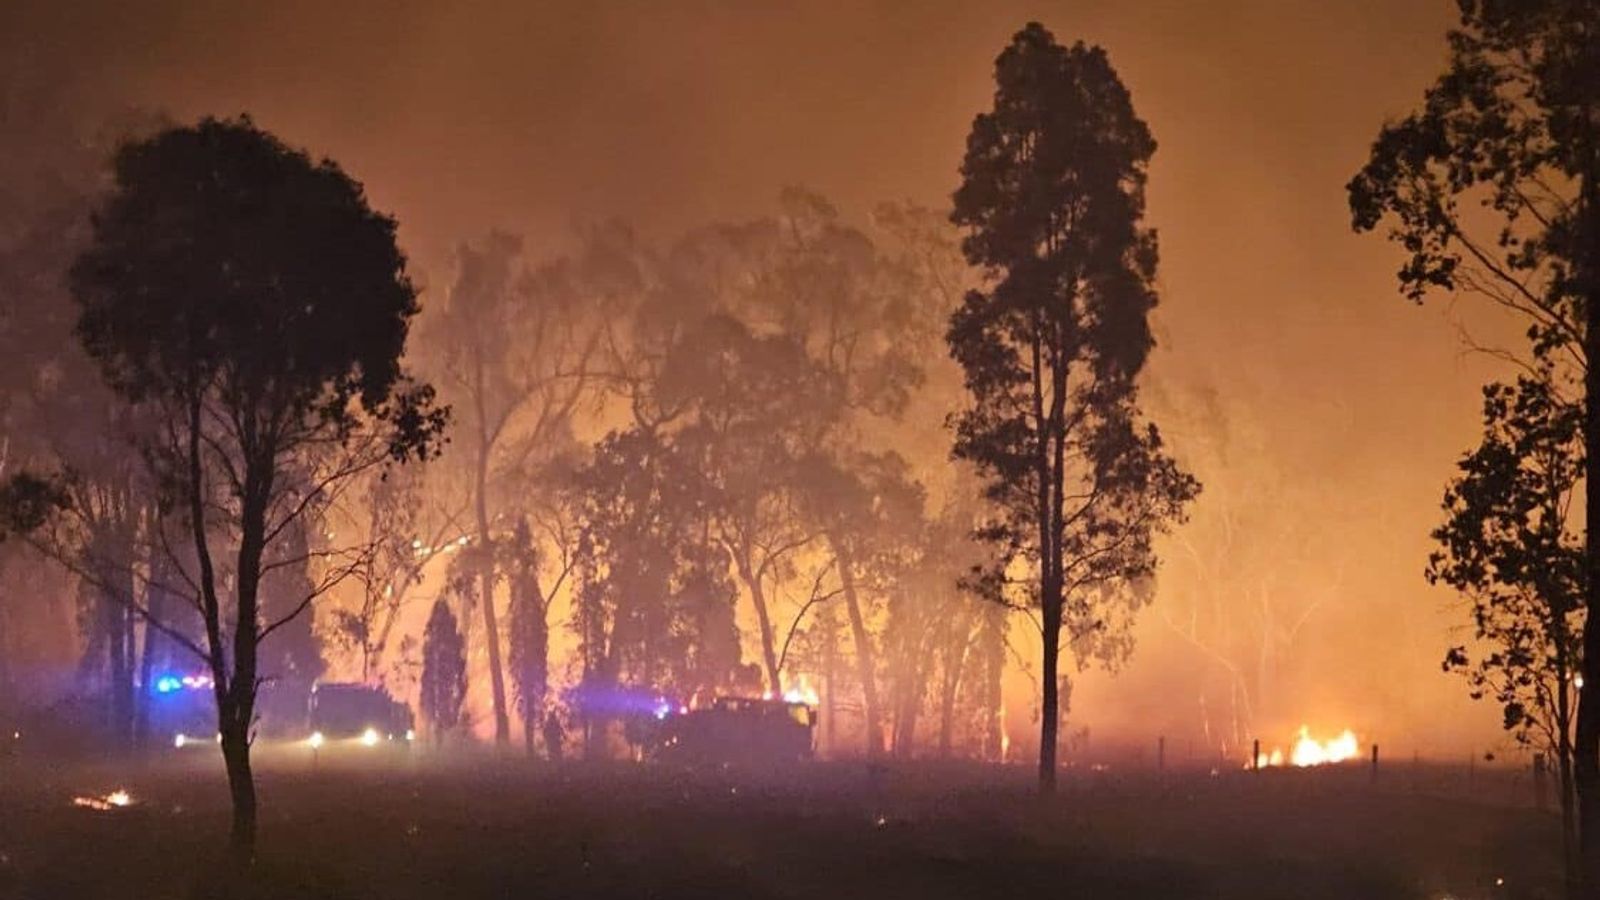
column 369, row 738
column 315, row 740
column 179, row 740
column 411, row 734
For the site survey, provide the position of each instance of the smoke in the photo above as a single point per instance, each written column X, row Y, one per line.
column 1318, row 407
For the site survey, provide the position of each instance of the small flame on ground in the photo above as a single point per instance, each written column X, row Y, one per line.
column 1005, row 735
column 1307, row 751
column 117, row 799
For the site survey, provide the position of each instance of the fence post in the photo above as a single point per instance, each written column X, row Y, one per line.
column 1255, row 755
column 1374, row 762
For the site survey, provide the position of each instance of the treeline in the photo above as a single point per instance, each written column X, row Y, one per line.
column 737, row 460
column 680, row 438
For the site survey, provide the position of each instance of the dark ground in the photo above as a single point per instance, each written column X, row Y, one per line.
column 399, row 827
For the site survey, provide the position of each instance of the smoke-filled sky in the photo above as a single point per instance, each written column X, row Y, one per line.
column 1279, row 327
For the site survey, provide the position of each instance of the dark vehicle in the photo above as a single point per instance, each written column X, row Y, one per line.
column 183, row 711
column 738, row 730
column 357, row 714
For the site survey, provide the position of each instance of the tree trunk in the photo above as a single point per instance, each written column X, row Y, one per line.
column 1050, row 722
column 535, row 672
column 236, row 705
column 949, row 688
column 758, row 599
column 1569, row 826
column 830, row 673
column 497, row 678
column 241, row 786
column 1586, row 750
column 130, row 653
column 992, row 658
column 865, row 665
column 156, row 604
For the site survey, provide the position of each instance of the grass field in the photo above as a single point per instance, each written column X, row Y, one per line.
column 370, row 826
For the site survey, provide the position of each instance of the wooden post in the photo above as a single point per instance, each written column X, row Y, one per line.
column 1255, row 755
column 1374, row 762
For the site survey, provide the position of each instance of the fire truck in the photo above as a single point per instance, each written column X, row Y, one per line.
column 183, row 710
column 357, row 714
column 738, row 730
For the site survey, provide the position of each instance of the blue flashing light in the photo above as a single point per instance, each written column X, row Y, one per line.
column 166, row 684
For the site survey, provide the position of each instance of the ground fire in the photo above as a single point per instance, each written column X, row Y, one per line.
column 1308, row 751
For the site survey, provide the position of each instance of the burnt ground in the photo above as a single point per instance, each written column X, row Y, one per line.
column 398, row 826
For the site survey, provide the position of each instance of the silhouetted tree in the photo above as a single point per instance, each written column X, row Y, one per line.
column 1052, row 197
column 655, row 600
column 514, row 344
column 54, row 410
column 408, row 530
column 254, row 309
column 755, row 406
column 1240, row 553
column 444, row 671
column 530, row 624
column 1493, row 189
column 869, row 509
column 1508, row 546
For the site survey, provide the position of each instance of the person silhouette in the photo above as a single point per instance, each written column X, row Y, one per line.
column 554, row 734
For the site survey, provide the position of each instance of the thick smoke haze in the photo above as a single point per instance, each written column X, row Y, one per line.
column 1291, row 377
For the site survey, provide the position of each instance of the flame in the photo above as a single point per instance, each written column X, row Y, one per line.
column 117, row 799
column 1307, row 751
column 802, row 693
column 1005, row 734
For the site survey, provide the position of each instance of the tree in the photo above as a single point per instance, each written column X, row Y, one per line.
column 655, row 603
column 869, row 509
column 1493, row 189
column 54, row 410
column 530, row 619
column 405, row 535
column 1248, row 583
column 254, row 309
column 1509, row 547
column 514, row 345
column 754, row 405
column 444, row 671
column 1052, row 197
column 292, row 663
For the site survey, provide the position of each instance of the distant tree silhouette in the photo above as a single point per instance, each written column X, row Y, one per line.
column 654, row 596
column 1493, row 189
column 444, row 671
column 254, row 309
column 54, row 410
column 1509, row 547
column 292, row 662
column 513, row 344
column 870, row 511
column 530, row 624
column 408, row 529
column 1052, row 197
